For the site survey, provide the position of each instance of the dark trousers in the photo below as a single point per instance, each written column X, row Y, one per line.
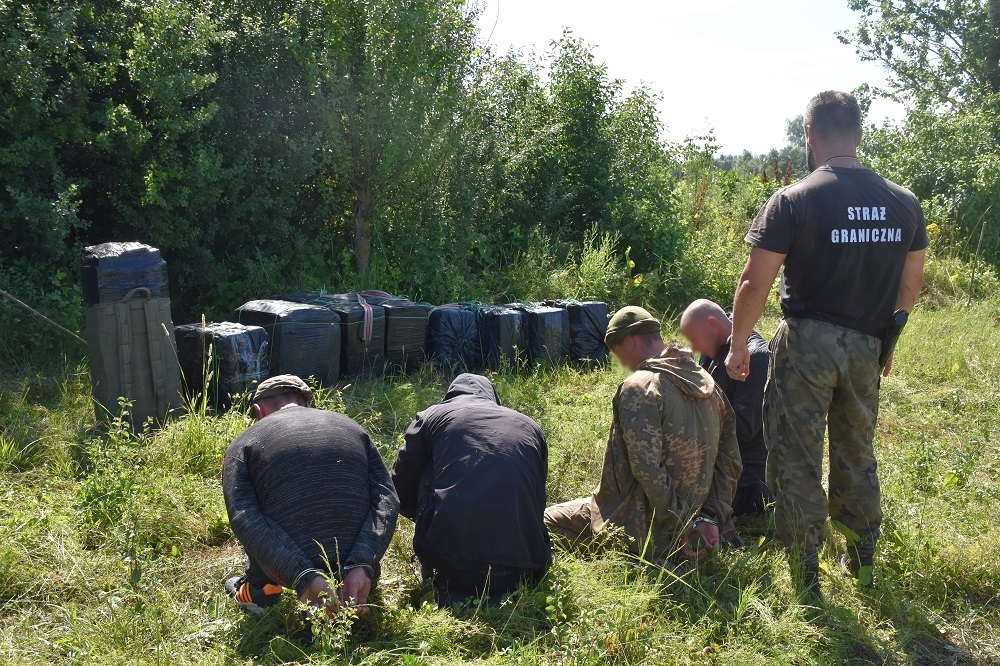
column 256, row 575
column 456, row 581
column 752, row 498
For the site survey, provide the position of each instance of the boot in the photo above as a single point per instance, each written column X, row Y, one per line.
column 857, row 561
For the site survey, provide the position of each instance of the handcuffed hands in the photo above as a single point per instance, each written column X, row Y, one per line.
column 707, row 541
column 353, row 591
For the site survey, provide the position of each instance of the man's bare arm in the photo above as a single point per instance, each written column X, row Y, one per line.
column 909, row 289
column 913, row 280
column 751, row 297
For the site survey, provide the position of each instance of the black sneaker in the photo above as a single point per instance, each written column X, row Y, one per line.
column 252, row 599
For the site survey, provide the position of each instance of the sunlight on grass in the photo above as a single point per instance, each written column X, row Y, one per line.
column 116, row 544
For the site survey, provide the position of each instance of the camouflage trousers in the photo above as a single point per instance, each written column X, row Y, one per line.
column 571, row 521
column 823, row 378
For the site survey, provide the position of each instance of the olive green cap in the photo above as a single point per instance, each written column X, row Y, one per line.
column 631, row 320
column 281, row 385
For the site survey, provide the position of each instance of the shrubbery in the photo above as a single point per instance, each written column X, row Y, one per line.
column 265, row 147
column 268, row 147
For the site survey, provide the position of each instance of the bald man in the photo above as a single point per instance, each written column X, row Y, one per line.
column 709, row 330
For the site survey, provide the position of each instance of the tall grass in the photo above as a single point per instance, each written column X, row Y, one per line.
column 116, row 543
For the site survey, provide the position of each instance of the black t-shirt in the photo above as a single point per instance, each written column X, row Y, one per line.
column 846, row 233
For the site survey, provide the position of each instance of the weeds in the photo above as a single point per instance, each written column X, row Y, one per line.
column 116, row 542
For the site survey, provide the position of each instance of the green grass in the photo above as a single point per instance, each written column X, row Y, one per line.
column 115, row 545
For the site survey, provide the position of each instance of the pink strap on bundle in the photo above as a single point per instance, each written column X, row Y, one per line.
column 369, row 317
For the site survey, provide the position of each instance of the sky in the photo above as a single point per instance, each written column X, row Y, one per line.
column 739, row 67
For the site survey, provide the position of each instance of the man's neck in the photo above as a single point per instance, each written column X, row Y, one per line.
column 654, row 351
column 843, row 155
column 725, row 339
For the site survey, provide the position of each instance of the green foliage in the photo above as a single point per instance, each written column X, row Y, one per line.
column 943, row 62
column 777, row 162
column 718, row 205
column 936, row 52
column 327, row 144
column 951, row 161
column 594, row 272
column 948, row 279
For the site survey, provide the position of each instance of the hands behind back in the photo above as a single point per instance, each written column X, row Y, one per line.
column 706, row 539
column 354, row 592
column 356, row 588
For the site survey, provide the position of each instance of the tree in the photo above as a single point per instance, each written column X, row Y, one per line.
column 45, row 83
column 582, row 100
column 273, row 145
column 776, row 161
column 795, row 131
column 942, row 59
column 936, row 52
column 396, row 70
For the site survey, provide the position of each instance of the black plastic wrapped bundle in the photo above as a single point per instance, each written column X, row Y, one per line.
column 453, row 337
column 238, row 359
column 303, row 340
column 320, row 299
column 588, row 322
column 405, row 330
column 548, row 333
column 503, row 335
column 362, row 331
column 361, row 352
column 111, row 270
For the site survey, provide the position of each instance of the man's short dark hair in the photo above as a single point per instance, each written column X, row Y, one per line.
column 834, row 114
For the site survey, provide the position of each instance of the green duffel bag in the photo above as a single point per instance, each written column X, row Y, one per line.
column 133, row 356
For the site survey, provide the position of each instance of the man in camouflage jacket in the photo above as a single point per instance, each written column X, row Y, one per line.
column 672, row 461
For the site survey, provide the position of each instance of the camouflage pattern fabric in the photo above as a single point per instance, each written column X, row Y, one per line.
column 672, row 454
column 823, row 377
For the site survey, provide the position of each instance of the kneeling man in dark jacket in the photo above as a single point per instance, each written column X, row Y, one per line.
column 471, row 475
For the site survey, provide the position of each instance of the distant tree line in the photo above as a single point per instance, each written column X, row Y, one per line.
column 785, row 163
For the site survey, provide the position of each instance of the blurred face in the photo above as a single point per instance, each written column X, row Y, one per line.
column 630, row 352
column 703, row 336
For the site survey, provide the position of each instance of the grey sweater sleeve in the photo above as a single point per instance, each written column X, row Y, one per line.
column 264, row 540
column 380, row 523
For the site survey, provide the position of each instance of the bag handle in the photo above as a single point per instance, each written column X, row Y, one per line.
column 147, row 294
column 366, row 336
